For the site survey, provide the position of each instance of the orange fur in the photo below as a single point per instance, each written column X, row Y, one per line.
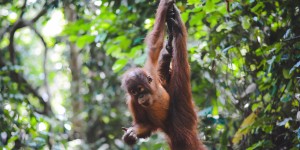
column 159, row 95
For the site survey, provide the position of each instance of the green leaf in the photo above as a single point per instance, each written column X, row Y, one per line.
column 295, row 103
column 256, row 145
column 138, row 40
column 213, row 19
column 185, row 16
column 286, row 74
column 294, row 67
column 113, row 48
column 209, row 6
column 255, row 106
column 227, row 26
column 119, row 64
column 244, row 128
column 267, row 128
column 268, row 108
column 257, row 8
column 215, row 110
column 270, row 62
column 192, row 2
column 140, row 60
column 246, row 22
column 101, row 37
column 286, row 98
column 73, row 38
column 196, row 19
column 134, row 50
column 84, row 40
column 105, row 119
column 123, row 41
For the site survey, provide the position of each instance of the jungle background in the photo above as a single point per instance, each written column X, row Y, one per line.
column 61, row 63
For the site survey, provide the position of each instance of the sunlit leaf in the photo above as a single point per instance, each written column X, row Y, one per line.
column 105, row 119
column 246, row 22
column 284, row 122
column 84, row 40
column 119, row 64
column 185, row 16
column 140, row 60
column 297, row 65
column 209, row 6
column 270, row 62
column 192, row 2
column 244, row 130
column 286, row 74
column 134, row 50
column 101, row 37
column 113, row 49
column 256, row 145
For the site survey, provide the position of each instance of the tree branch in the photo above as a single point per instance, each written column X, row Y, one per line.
column 40, row 14
column 20, row 23
column 16, row 77
column 44, row 61
column 23, row 8
column 292, row 39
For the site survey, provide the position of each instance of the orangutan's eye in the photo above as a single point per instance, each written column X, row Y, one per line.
column 149, row 79
column 133, row 92
column 140, row 89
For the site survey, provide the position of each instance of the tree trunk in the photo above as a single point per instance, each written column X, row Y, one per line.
column 78, row 130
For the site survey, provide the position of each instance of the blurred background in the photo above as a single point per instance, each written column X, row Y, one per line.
column 61, row 62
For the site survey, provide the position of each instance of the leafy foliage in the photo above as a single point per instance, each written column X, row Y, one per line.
column 61, row 62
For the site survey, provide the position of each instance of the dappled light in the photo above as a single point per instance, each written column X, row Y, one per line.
column 62, row 63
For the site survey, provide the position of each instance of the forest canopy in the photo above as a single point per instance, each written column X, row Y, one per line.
column 61, row 63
